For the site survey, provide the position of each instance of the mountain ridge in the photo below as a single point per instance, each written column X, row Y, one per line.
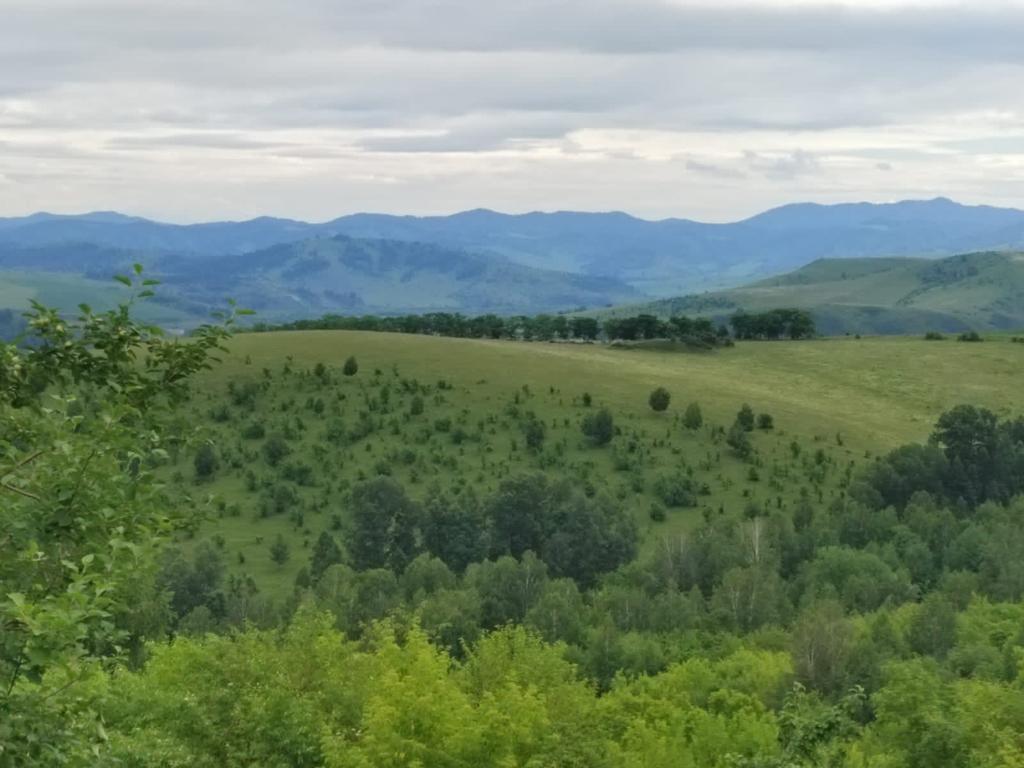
column 662, row 257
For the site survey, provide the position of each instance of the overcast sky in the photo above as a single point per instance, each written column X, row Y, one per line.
column 189, row 110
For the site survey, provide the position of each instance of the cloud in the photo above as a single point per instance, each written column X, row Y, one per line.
column 784, row 166
column 639, row 104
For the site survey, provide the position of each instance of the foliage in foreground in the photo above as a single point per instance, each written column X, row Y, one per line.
column 81, row 429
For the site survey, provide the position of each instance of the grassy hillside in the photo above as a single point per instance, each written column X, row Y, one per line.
column 839, row 401
column 893, row 295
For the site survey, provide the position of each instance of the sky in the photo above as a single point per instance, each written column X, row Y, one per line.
column 194, row 110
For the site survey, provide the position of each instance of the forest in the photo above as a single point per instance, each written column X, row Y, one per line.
column 539, row 580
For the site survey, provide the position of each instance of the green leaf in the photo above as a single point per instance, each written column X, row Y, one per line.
column 137, row 267
column 123, row 279
column 150, row 281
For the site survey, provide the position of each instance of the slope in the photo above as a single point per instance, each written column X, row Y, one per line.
column 983, row 291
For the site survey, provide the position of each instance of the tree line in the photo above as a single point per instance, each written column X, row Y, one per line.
column 773, row 324
column 699, row 331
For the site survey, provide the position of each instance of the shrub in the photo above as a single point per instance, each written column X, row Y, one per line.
column 351, row 367
column 205, row 462
column 275, row 449
column 675, row 490
column 693, row 418
column 533, row 433
column 254, row 431
column 738, row 440
column 599, row 427
column 934, row 336
column 765, row 421
column 745, row 418
column 969, row 336
column 659, row 399
column 279, row 550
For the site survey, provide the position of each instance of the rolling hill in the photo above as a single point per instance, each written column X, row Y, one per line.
column 309, row 277
column 659, row 258
column 983, row 291
column 844, row 398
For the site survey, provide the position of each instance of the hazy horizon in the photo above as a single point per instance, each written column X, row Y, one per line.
column 678, row 217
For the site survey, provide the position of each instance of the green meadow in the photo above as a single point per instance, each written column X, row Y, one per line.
column 834, row 404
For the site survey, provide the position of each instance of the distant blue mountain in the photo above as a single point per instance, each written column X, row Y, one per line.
column 659, row 258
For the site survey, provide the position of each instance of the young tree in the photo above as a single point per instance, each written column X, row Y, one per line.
column 599, row 426
column 351, row 366
column 279, row 550
column 745, row 418
column 659, row 399
column 533, row 434
column 693, row 418
column 739, row 441
column 326, row 553
column 205, row 462
column 275, row 449
column 765, row 421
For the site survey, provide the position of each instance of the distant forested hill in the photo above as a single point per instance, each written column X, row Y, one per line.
column 660, row 258
column 983, row 291
column 311, row 277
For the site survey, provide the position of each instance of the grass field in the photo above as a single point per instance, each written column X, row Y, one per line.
column 847, row 398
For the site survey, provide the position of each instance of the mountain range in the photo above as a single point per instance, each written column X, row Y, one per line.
column 479, row 260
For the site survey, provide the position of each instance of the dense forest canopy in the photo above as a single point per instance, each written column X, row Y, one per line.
column 852, row 615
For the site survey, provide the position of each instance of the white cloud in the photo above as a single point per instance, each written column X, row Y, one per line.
column 313, row 108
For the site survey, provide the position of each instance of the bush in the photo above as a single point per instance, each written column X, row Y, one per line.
column 738, row 440
column 969, row 336
column 693, row 418
column 675, row 490
column 205, row 462
column 765, row 421
column 275, row 449
column 279, row 550
column 533, row 433
column 351, row 367
column 745, row 418
column 254, row 431
column 599, row 427
column 659, row 399
column 934, row 336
